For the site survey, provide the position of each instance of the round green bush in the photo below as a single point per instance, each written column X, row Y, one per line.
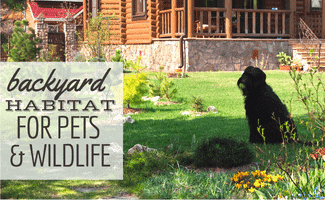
column 222, row 152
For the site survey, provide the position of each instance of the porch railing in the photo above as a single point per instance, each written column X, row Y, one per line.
column 270, row 23
column 210, row 22
column 165, row 22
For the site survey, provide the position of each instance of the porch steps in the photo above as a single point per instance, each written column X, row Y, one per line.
column 301, row 50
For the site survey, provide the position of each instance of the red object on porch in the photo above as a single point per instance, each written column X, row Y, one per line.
column 52, row 12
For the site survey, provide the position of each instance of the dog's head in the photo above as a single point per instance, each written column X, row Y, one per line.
column 251, row 80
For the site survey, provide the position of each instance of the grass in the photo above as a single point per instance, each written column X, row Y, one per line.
column 160, row 126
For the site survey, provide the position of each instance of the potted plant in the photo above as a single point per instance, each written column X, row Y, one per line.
column 285, row 61
column 297, row 65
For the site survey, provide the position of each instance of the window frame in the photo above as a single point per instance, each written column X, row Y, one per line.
column 316, row 9
column 139, row 15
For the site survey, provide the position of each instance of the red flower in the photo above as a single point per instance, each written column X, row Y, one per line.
column 320, row 152
column 314, row 156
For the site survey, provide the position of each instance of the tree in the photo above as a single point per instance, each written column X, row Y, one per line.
column 23, row 44
column 97, row 33
column 16, row 5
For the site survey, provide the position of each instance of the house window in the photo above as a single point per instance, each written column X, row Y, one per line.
column 316, row 5
column 139, row 9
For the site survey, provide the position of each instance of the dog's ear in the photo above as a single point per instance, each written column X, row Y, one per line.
column 259, row 77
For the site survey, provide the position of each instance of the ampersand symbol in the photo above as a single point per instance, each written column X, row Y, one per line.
column 13, row 154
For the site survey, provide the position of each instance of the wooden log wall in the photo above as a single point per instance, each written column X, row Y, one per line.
column 116, row 24
column 141, row 31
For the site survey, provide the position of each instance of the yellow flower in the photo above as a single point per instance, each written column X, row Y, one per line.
column 235, row 179
column 254, row 173
column 262, row 184
column 275, row 179
column 245, row 186
column 238, row 185
column 257, row 184
column 251, row 190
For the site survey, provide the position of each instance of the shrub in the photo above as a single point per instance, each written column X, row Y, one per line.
column 134, row 87
column 49, row 56
column 222, row 152
column 23, row 45
column 118, row 57
column 197, row 104
column 166, row 86
column 141, row 166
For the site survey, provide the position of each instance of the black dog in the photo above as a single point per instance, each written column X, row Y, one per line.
column 264, row 109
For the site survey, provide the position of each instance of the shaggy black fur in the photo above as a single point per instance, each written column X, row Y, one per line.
column 261, row 104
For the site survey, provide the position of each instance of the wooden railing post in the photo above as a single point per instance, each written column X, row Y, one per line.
column 323, row 20
column 292, row 17
column 190, row 18
column 228, row 6
column 173, row 19
column 84, row 17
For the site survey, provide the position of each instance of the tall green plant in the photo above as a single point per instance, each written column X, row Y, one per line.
column 310, row 89
column 96, row 35
column 23, row 45
column 155, row 89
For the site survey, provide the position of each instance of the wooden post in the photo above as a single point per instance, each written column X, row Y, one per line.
column 228, row 6
column 84, row 16
column 190, row 18
column 323, row 20
column 174, row 19
column 292, row 17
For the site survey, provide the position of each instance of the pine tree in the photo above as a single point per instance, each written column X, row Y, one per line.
column 16, row 5
column 23, row 45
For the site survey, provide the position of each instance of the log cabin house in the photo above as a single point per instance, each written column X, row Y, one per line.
column 141, row 21
column 207, row 35
column 213, row 35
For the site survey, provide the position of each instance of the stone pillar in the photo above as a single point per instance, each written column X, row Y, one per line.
column 69, row 31
column 42, row 31
column 228, row 6
column 292, row 18
column 190, row 18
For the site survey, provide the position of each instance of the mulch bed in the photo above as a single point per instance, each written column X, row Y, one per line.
column 167, row 102
column 132, row 110
column 172, row 75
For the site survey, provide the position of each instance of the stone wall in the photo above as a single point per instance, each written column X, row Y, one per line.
column 233, row 54
column 204, row 54
column 42, row 32
column 69, row 31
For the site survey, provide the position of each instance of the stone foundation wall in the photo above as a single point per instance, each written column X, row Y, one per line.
column 205, row 54
column 233, row 55
column 161, row 52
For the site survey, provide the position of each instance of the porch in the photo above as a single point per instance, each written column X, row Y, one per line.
column 230, row 19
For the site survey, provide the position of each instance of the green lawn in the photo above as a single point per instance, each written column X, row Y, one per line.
column 160, row 126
